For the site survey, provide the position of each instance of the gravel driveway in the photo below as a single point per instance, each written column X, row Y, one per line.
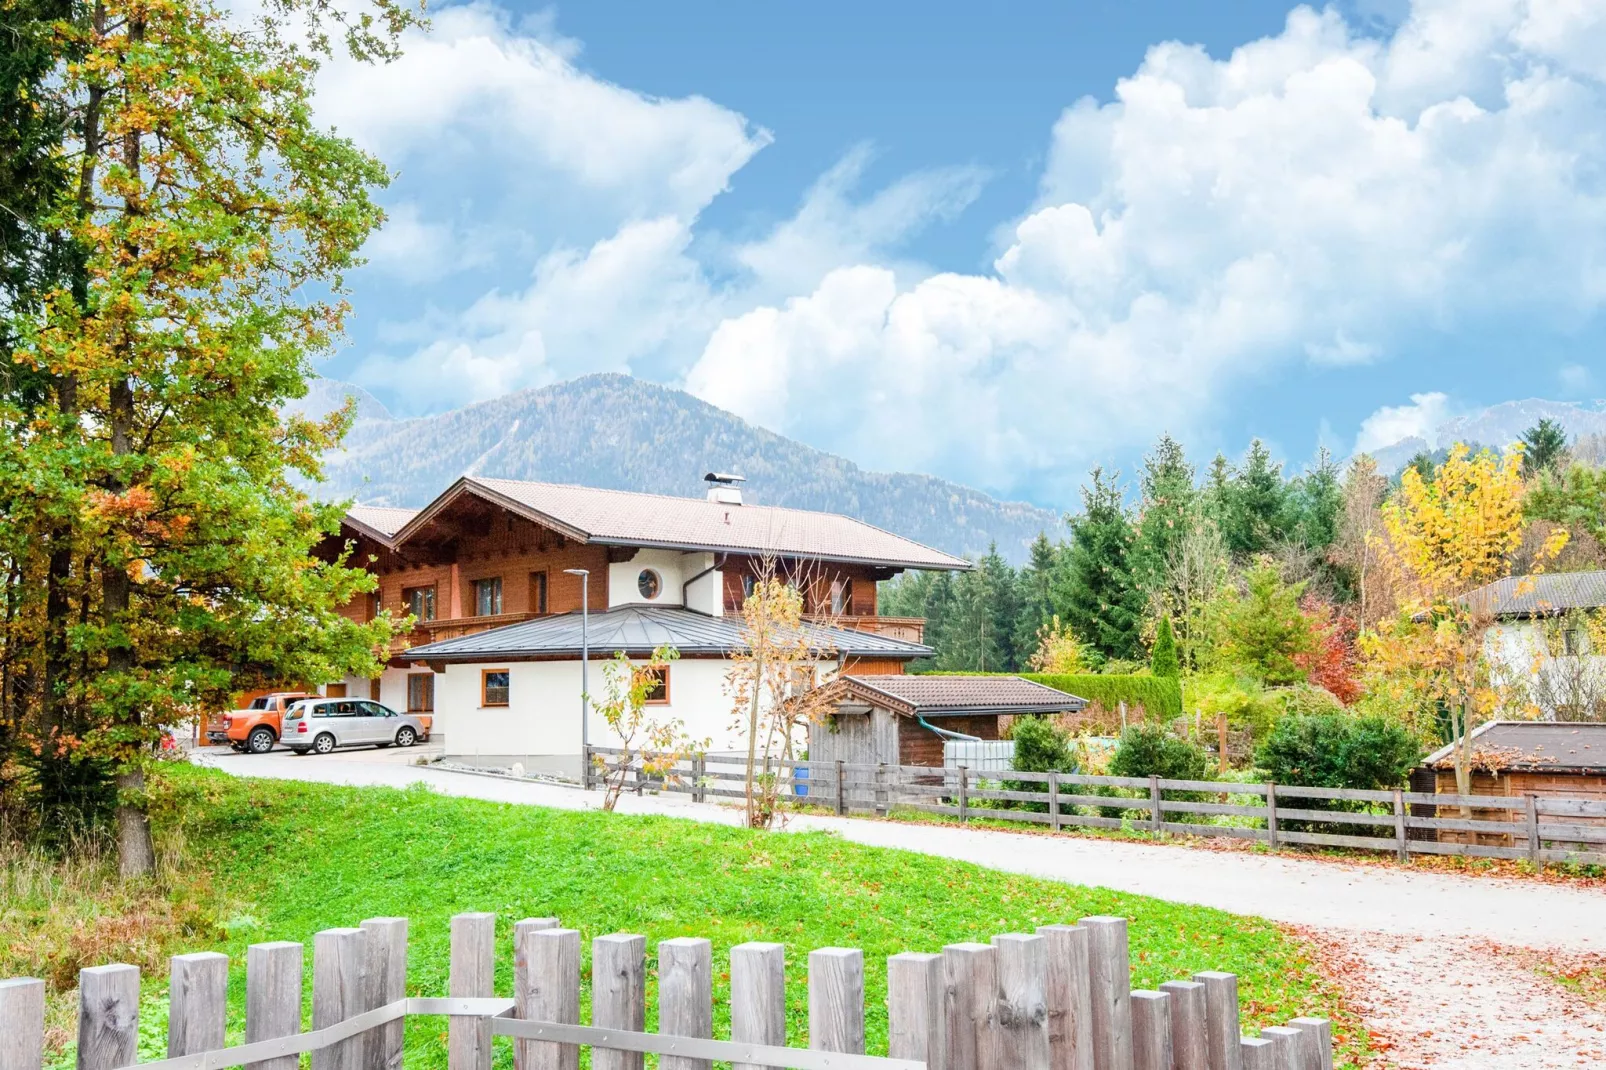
column 1406, row 943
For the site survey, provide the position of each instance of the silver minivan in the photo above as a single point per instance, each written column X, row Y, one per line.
column 322, row 724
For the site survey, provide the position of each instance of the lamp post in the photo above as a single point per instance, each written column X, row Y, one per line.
column 585, row 683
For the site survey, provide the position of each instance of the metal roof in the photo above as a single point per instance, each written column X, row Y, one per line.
column 1543, row 595
column 1548, row 746
column 627, row 518
column 950, row 695
column 380, row 520
column 638, row 630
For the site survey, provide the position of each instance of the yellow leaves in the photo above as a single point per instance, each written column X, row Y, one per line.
column 1458, row 531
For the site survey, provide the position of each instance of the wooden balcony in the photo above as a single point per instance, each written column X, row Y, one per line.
column 433, row 631
column 910, row 629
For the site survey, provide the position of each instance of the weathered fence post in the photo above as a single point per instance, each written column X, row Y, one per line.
column 387, row 983
column 22, row 1024
column 758, row 996
column 108, row 1017
column 970, row 1002
column 523, row 982
column 699, row 771
column 1314, row 1051
column 1259, row 1054
column 1190, row 1046
column 198, row 997
column 836, row 1000
column 1151, row 1031
column 1070, row 996
column 1222, row 1031
column 1022, row 1001
column 1156, row 811
column 685, row 995
column 273, row 998
column 964, row 794
column 618, row 994
column 471, row 974
column 340, row 991
column 1271, row 816
column 1531, row 802
column 1285, row 1040
column 1054, row 800
column 883, row 795
column 915, row 1028
column 1402, row 844
column 550, row 993
column 1111, row 978
column 841, row 788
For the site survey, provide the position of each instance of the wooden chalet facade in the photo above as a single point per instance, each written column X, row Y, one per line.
column 490, row 555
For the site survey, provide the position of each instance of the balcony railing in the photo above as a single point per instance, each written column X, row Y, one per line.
column 910, row 629
column 433, row 631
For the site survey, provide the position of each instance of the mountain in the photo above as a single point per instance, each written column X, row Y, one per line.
column 1497, row 426
column 625, row 434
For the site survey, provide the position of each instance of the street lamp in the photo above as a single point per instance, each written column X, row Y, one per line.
column 585, row 684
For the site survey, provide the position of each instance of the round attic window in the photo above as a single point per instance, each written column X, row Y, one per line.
column 649, row 584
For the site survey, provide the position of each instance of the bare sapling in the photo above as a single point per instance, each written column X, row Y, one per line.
column 653, row 746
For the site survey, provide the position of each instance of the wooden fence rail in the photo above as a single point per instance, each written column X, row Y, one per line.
column 1057, row 999
column 1537, row 829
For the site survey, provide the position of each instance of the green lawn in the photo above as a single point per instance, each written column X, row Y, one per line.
column 276, row 861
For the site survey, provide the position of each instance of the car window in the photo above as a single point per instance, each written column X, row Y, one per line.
column 258, row 704
column 377, row 709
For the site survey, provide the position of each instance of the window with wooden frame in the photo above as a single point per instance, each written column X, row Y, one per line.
column 488, row 597
column 538, row 593
column 420, row 602
column 657, row 685
column 420, row 692
column 493, row 687
column 841, row 597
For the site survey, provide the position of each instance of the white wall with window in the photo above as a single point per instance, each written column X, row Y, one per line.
column 659, row 578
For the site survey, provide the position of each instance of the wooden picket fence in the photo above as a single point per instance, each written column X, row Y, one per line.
column 1537, row 829
column 1056, row 999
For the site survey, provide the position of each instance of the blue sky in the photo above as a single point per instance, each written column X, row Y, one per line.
column 1000, row 247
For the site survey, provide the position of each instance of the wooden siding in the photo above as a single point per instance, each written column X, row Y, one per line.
column 918, row 745
column 1517, row 784
column 872, row 667
column 862, row 601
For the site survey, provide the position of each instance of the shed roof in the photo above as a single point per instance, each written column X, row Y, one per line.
column 639, row 630
column 1550, row 746
column 925, row 696
column 628, row 518
column 1537, row 596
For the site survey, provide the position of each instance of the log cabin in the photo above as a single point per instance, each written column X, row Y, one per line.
column 493, row 572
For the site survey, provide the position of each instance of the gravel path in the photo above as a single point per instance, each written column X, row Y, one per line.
column 1411, row 947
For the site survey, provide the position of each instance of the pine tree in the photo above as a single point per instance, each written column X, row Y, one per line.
column 1254, row 503
column 1165, row 513
column 1319, row 503
column 1546, row 448
column 1036, row 584
column 1103, row 604
column 1163, row 658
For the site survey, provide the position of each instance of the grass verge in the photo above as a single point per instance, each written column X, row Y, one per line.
column 268, row 860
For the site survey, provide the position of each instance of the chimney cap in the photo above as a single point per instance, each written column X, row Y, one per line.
column 726, row 478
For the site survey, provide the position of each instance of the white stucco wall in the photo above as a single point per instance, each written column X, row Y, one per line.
column 1518, row 652
column 540, row 726
column 706, row 594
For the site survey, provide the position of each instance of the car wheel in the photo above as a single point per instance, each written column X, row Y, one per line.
column 405, row 736
column 260, row 741
column 324, row 743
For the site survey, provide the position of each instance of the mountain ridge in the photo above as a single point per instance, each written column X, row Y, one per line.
column 613, row 431
column 1496, row 425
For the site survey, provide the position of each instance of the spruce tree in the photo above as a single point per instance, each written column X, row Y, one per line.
column 1319, row 503
column 1545, row 448
column 1165, row 514
column 1254, row 503
column 1103, row 604
column 1036, row 584
column 1163, row 658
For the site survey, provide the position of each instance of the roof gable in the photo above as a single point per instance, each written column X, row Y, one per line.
column 1546, row 594
column 1539, row 746
column 932, row 695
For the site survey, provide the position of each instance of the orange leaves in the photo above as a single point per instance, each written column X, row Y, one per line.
column 132, row 504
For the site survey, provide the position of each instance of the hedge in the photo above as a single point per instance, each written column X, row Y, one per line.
column 1159, row 696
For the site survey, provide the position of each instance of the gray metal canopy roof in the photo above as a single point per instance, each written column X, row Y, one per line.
column 638, row 630
column 1544, row 595
column 1533, row 746
column 947, row 696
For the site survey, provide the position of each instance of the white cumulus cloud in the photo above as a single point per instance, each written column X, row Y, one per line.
column 1421, row 419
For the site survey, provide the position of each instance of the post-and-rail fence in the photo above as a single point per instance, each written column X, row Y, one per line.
column 1533, row 828
column 1057, row 999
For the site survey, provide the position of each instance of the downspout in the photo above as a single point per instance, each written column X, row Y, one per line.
column 684, row 587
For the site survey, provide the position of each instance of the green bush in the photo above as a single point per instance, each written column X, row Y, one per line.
column 1148, row 750
column 1040, row 747
column 1163, row 658
column 1337, row 750
column 1160, row 696
column 1242, row 700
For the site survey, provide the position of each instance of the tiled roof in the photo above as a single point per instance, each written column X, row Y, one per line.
column 385, row 521
column 1545, row 594
column 945, row 695
column 640, row 630
column 626, row 518
column 1555, row 746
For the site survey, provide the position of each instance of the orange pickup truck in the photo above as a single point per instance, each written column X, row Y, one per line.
column 256, row 728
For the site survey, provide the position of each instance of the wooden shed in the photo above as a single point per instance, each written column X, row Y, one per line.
column 903, row 720
column 1516, row 758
